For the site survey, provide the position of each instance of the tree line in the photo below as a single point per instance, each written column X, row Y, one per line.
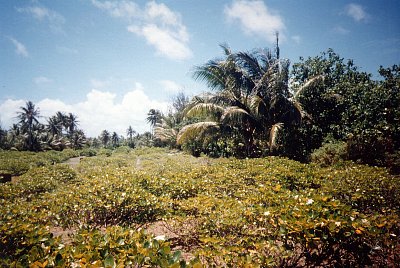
column 322, row 107
column 61, row 132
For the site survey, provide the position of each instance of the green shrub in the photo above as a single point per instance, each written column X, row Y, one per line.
column 104, row 151
column 330, row 154
column 88, row 152
column 372, row 148
column 122, row 150
column 69, row 153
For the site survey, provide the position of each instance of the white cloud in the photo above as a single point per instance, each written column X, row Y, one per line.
column 48, row 107
column 20, row 48
column 42, row 80
column 356, row 12
column 8, row 112
column 340, row 30
column 99, row 111
column 170, row 86
column 122, row 9
column 53, row 18
column 159, row 25
column 161, row 12
column 167, row 43
column 255, row 18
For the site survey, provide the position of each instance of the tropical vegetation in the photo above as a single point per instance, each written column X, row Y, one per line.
column 290, row 167
column 159, row 208
column 258, row 107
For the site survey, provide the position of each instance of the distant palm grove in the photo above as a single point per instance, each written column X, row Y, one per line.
column 322, row 109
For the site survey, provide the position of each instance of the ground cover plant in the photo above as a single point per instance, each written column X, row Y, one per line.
column 17, row 163
column 159, row 208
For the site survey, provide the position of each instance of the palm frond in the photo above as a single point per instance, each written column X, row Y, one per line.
column 211, row 73
column 227, row 50
column 249, row 62
column 268, row 78
column 225, row 98
column 205, row 109
column 300, row 110
column 266, row 58
column 197, row 130
column 258, row 105
column 165, row 134
column 273, row 135
column 309, row 83
column 234, row 114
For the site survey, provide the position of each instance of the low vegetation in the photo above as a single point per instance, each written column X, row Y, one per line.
column 158, row 208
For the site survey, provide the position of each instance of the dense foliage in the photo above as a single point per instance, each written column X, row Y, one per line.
column 258, row 107
column 251, row 104
column 60, row 131
column 347, row 105
column 214, row 212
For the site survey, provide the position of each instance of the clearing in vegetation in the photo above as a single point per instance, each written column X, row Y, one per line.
column 156, row 208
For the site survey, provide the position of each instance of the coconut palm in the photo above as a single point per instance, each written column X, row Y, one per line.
column 167, row 129
column 71, row 123
column 115, row 139
column 252, row 101
column 13, row 134
column 28, row 117
column 130, row 133
column 54, row 126
column 62, row 119
column 105, row 137
column 153, row 117
column 78, row 139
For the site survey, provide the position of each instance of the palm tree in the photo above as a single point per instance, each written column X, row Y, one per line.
column 153, row 117
column 28, row 117
column 13, row 134
column 115, row 139
column 62, row 120
column 105, row 137
column 78, row 139
column 252, row 101
column 54, row 126
column 71, row 123
column 167, row 129
column 130, row 133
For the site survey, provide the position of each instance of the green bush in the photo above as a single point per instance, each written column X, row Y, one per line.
column 372, row 148
column 88, row 152
column 330, row 154
column 122, row 150
column 104, row 151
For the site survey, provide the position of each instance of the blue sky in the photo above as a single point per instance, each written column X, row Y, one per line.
column 109, row 62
